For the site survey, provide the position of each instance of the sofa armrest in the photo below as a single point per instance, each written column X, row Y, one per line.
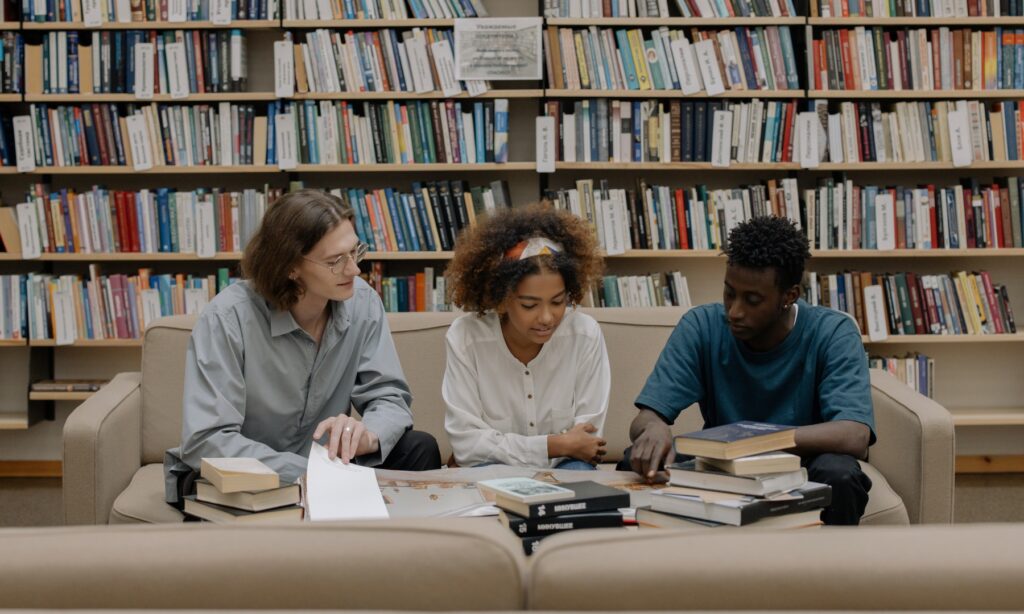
column 915, row 450
column 102, row 449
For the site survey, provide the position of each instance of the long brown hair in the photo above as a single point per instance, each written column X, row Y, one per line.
column 291, row 228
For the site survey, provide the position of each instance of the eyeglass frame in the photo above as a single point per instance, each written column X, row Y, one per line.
column 338, row 266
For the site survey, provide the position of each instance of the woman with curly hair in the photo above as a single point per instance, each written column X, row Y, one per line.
column 527, row 378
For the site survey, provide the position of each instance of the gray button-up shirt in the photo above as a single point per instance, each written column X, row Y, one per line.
column 256, row 384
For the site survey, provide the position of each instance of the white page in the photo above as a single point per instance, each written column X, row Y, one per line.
column 545, row 144
column 284, row 69
column 336, row 491
column 24, row 144
column 144, row 71
column 690, row 81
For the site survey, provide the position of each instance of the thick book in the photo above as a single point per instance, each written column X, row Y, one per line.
column 738, row 510
column 647, row 518
column 222, row 514
column 525, row 490
column 687, row 474
column 590, row 497
column 755, row 464
column 257, row 501
column 534, row 527
column 238, row 474
column 730, row 441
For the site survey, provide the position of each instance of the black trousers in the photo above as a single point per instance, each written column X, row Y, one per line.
column 415, row 451
column 840, row 471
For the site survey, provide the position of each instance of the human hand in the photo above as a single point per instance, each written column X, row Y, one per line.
column 581, row 444
column 349, row 438
column 652, row 450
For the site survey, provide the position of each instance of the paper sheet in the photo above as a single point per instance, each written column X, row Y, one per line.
column 336, row 491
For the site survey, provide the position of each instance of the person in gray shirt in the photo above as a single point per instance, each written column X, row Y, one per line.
column 279, row 359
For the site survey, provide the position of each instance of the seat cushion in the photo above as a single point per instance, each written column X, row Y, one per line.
column 143, row 500
column 884, row 505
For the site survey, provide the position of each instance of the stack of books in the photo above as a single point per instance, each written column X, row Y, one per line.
column 234, row 490
column 533, row 509
column 738, row 477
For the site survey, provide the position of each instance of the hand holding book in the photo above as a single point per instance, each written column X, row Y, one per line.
column 349, row 438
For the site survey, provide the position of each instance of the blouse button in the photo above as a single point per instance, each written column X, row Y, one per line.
column 531, row 424
column 529, row 396
column 527, row 372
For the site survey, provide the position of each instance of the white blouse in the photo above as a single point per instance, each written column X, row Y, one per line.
column 501, row 411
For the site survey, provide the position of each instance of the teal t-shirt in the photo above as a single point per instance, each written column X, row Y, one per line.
column 819, row 373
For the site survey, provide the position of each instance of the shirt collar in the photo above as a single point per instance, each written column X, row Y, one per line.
column 282, row 322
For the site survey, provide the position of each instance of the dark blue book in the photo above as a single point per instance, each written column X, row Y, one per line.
column 163, row 213
column 421, row 210
column 729, row 441
column 397, row 221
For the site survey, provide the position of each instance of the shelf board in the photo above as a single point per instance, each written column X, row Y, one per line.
column 367, row 23
column 138, row 256
column 996, row 416
column 8, row 256
column 13, row 422
column 10, row 97
column 12, row 343
column 708, row 22
column 931, row 339
column 59, row 396
column 674, row 166
column 922, row 22
column 91, row 343
column 916, row 94
column 6, row 26
column 245, row 24
column 915, row 166
column 419, row 167
column 156, row 170
column 556, row 93
column 1009, row 252
column 1008, row 463
column 494, row 93
column 207, row 97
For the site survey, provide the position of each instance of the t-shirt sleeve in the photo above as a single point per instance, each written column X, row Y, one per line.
column 845, row 388
column 676, row 382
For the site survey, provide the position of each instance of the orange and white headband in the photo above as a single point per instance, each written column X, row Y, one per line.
column 535, row 246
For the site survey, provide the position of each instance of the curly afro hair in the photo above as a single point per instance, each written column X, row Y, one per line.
column 770, row 242
column 480, row 277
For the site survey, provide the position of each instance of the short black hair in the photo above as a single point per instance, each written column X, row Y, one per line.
column 770, row 242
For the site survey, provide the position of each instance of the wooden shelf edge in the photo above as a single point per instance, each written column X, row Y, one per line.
column 1000, row 416
column 916, row 94
column 12, row 422
column 676, row 21
column 415, row 167
column 58, row 396
column 31, row 469
column 245, row 24
column 366, row 23
column 1009, row 463
column 915, row 21
column 930, row 339
column 491, row 94
column 12, row 343
column 91, row 343
column 565, row 93
column 166, row 98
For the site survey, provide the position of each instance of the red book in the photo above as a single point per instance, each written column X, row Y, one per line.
column 931, row 312
column 133, row 220
column 117, row 294
column 844, row 43
column 914, row 291
column 932, row 212
column 787, row 132
column 684, row 243
column 124, row 236
column 100, row 121
column 993, row 302
column 197, row 53
column 420, row 293
column 380, row 58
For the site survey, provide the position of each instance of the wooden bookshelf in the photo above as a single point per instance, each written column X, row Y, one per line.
column 675, row 166
column 1010, row 252
column 59, row 396
column 12, row 343
column 989, row 165
column 418, row 167
column 677, row 22
column 156, row 170
column 9, row 26
column 88, row 343
column 9, row 257
column 246, row 24
column 364, row 24
column 13, row 422
column 647, row 94
column 528, row 93
column 10, row 97
column 917, row 94
column 206, row 97
column 917, row 22
column 935, row 339
column 997, row 416
column 139, row 256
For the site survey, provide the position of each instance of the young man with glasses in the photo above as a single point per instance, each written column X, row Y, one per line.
column 280, row 359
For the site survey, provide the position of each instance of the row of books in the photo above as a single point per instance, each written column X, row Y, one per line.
column 660, row 8
column 920, row 8
column 651, row 290
column 842, row 215
column 603, row 130
column 915, row 370
column 435, row 131
column 919, row 59
column 959, row 303
column 67, row 308
column 147, row 221
column 423, row 291
column 737, row 8
column 383, row 9
column 738, row 59
column 137, row 11
column 953, row 131
column 176, row 62
column 387, row 60
column 12, row 63
column 240, row 490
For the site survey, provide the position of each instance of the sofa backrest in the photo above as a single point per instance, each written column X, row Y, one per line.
column 163, row 381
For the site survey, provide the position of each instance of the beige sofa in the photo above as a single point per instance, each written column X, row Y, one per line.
column 114, row 443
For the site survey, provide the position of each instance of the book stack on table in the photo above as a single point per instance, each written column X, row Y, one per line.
column 237, row 490
column 534, row 510
column 739, row 477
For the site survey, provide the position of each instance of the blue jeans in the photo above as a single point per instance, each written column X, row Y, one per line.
column 575, row 465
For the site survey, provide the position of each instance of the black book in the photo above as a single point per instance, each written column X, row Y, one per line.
column 590, row 497
column 444, row 226
column 738, row 510
column 458, row 200
column 530, row 544
column 535, row 527
column 729, row 441
column 700, row 119
column 687, row 146
column 488, row 131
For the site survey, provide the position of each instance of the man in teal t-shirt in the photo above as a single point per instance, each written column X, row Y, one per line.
column 764, row 354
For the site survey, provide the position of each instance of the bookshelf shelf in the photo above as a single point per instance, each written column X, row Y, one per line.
column 266, row 24
column 366, row 23
column 553, row 93
column 12, row 343
column 1012, row 252
column 205, row 97
column 59, row 396
column 89, row 343
column 929, row 339
column 920, row 22
column 917, row 94
column 156, row 170
column 709, row 22
column 396, row 168
column 998, row 416
column 534, row 93
column 918, row 166
column 13, row 422
column 9, row 257
column 676, row 166
column 6, row 26
column 139, row 256
column 10, row 97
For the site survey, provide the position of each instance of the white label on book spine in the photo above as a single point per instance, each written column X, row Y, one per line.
column 227, row 143
column 686, row 66
column 138, row 137
column 835, row 137
column 91, row 14
column 874, row 313
column 545, row 144
column 286, row 146
column 721, row 139
column 708, row 64
column 885, row 234
column 445, row 64
column 476, row 87
column 123, row 11
column 807, row 139
column 28, row 230
column 150, row 306
column 960, row 138
column 24, row 145
column 177, row 11
column 284, row 69
column 144, row 71
column 220, row 12
column 195, row 300
column 177, row 70
column 206, row 232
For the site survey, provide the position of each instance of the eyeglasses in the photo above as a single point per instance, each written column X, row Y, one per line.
column 342, row 261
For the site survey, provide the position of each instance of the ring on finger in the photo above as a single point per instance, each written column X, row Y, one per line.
column 348, row 429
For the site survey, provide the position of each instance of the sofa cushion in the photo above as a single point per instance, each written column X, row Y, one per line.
column 448, row 564
column 866, row 568
column 163, row 382
column 884, row 505
column 143, row 500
